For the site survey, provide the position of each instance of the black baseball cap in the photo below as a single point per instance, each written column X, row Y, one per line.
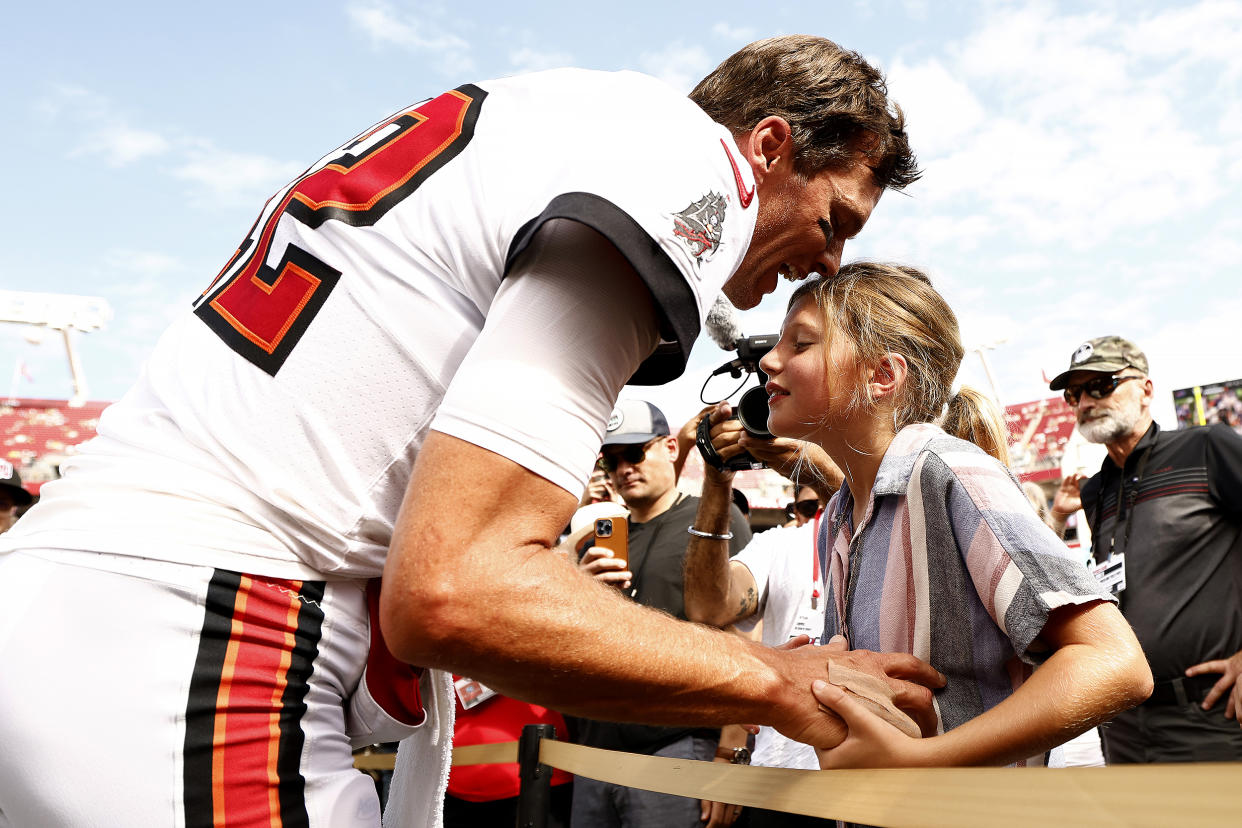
column 635, row 421
column 12, row 481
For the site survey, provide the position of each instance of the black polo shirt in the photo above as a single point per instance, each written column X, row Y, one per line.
column 1179, row 523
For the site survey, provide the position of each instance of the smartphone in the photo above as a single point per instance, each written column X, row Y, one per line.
column 614, row 534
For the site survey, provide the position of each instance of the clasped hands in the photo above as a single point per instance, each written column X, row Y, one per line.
column 870, row 708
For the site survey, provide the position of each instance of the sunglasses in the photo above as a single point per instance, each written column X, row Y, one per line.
column 1096, row 389
column 632, row 454
column 807, row 508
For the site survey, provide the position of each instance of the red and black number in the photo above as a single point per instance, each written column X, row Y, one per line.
column 261, row 311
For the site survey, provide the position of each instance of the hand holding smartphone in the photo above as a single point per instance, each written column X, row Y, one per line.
column 613, row 534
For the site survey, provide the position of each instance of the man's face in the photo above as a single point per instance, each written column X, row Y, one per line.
column 806, row 504
column 648, row 479
column 802, row 227
column 1115, row 416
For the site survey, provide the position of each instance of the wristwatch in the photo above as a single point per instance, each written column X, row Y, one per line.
column 737, row 755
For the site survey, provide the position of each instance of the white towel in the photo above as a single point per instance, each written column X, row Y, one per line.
column 416, row 796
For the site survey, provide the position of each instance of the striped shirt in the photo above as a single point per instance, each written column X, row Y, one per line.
column 950, row 564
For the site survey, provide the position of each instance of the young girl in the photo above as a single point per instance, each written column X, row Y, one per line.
column 932, row 547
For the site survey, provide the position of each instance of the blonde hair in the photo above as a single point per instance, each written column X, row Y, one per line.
column 885, row 308
column 971, row 415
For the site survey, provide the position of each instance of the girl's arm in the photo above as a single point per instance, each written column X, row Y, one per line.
column 1097, row 669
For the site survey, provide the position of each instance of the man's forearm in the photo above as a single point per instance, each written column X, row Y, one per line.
column 706, row 581
column 548, row 634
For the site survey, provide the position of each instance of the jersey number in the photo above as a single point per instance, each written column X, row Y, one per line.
column 260, row 310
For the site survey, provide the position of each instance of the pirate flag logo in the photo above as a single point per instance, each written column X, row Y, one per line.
column 700, row 225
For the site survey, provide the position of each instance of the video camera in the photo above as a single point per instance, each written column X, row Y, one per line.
column 751, row 410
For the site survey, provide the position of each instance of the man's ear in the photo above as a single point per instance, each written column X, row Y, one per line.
column 768, row 148
column 670, row 442
column 888, row 376
column 1149, row 392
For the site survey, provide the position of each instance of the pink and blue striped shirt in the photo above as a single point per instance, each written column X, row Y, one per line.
column 950, row 564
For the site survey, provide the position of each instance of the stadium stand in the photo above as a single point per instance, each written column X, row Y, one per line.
column 36, row 435
column 1038, row 433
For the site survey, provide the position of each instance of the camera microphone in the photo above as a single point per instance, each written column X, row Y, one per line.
column 722, row 325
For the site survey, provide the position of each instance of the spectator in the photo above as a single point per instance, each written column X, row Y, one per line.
column 639, row 454
column 805, row 505
column 773, row 584
column 486, row 796
column 13, row 495
column 1165, row 512
column 932, row 545
column 599, row 489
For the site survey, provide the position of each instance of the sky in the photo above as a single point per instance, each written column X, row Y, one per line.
column 1081, row 160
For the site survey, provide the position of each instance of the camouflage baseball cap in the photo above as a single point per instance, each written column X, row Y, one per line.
column 1105, row 354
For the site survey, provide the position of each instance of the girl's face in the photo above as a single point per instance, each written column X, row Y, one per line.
column 812, row 376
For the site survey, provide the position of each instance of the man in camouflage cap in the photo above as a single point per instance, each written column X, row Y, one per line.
column 1165, row 512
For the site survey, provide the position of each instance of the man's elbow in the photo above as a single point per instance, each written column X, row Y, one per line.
column 711, row 613
column 423, row 624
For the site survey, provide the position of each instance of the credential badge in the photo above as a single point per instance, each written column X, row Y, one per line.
column 616, row 419
column 1084, row 352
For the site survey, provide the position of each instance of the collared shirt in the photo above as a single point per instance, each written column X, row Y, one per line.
column 1183, row 555
column 950, row 564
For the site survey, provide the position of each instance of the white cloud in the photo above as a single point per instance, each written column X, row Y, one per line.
column 148, row 263
column 527, row 59
column 223, row 178
column 103, row 131
column 119, row 145
column 726, row 31
column 387, row 26
column 678, row 64
column 940, row 109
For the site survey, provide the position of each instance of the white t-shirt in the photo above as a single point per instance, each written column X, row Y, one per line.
column 275, row 427
column 782, row 562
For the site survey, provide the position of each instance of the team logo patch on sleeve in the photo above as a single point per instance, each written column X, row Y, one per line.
column 700, row 225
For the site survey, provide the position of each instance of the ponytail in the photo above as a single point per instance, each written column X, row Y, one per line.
column 972, row 416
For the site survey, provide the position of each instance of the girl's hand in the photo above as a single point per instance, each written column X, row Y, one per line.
column 871, row 742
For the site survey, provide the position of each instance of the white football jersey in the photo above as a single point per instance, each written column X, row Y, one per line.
column 275, row 426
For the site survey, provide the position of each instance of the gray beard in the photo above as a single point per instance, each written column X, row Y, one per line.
column 1111, row 427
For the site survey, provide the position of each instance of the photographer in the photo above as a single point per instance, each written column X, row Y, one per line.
column 775, row 579
column 638, row 454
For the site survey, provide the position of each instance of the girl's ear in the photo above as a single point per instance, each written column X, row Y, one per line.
column 887, row 376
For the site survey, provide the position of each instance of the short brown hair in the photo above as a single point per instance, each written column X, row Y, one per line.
column 836, row 103
column 888, row 308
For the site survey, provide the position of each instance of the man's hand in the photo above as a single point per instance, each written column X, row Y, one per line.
column 1067, row 500
column 724, row 435
column 1231, row 671
column 909, row 678
column 804, row 463
column 686, row 438
column 718, row 814
column 598, row 488
column 600, row 564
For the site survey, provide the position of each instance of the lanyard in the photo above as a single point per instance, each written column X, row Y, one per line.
column 1126, row 501
column 819, row 562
